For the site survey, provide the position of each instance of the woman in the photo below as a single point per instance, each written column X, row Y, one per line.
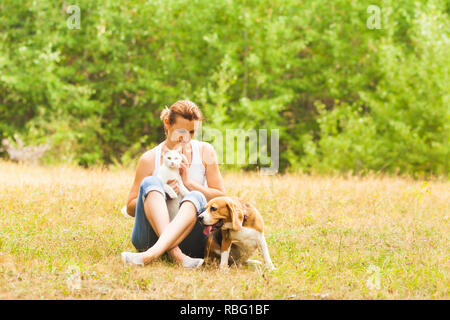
column 153, row 232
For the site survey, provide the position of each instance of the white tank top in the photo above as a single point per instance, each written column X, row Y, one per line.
column 196, row 170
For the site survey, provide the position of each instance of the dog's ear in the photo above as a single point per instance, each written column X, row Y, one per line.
column 236, row 212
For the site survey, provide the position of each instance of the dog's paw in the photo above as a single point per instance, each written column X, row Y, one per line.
column 271, row 267
column 250, row 262
column 224, row 268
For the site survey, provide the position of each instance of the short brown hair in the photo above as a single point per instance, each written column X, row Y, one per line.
column 183, row 108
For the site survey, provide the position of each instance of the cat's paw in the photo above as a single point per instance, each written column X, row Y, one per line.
column 170, row 192
column 183, row 190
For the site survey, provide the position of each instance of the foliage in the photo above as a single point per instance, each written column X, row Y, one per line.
column 344, row 97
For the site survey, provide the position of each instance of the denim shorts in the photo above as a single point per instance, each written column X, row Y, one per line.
column 143, row 235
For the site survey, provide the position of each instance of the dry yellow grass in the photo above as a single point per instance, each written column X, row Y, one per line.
column 61, row 234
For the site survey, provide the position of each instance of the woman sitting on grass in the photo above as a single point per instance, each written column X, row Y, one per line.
column 153, row 232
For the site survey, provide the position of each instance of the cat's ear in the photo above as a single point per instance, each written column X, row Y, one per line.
column 164, row 148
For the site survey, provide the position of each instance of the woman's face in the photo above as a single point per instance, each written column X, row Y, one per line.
column 182, row 131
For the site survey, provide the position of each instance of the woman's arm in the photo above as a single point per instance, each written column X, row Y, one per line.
column 216, row 187
column 144, row 169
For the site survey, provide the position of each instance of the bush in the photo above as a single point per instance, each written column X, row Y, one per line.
column 344, row 97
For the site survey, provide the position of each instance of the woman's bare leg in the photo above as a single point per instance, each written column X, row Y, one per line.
column 156, row 212
column 174, row 232
column 155, row 209
column 170, row 233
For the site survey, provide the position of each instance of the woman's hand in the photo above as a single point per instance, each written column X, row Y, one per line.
column 184, row 171
column 174, row 185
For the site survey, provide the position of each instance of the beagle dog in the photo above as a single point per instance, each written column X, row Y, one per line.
column 235, row 229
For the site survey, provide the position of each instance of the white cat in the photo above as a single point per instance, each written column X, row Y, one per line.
column 169, row 170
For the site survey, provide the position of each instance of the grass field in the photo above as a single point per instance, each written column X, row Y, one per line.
column 377, row 237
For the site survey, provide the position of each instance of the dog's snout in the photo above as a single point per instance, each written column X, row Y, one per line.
column 200, row 218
